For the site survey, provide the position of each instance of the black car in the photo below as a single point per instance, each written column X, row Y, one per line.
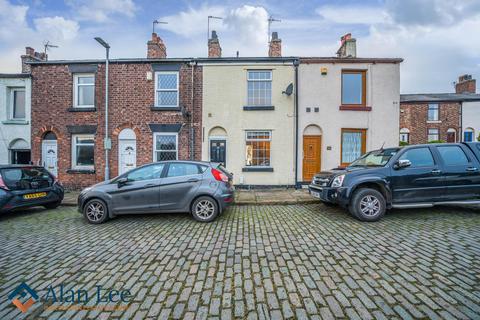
column 403, row 177
column 24, row 186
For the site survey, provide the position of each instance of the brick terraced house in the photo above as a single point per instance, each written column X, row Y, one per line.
column 446, row 117
column 154, row 114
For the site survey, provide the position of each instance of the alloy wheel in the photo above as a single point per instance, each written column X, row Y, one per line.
column 95, row 211
column 205, row 209
column 370, row 205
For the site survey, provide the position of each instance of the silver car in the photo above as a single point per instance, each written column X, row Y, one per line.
column 202, row 188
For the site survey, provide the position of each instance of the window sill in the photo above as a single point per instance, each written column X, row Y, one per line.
column 350, row 107
column 258, row 108
column 156, row 108
column 81, row 171
column 434, row 121
column 79, row 109
column 257, row 169
column 18, row 122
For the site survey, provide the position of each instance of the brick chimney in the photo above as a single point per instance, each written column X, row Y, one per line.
column 214, row 49
column 31, row 55
column 156, row 48
column 348, row 47
column 275, row 46
column 466, row 84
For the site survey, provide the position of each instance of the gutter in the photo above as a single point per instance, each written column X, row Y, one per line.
column 296, row 64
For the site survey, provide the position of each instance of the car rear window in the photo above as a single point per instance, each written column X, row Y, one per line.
column 453, row 155
column 26, row 178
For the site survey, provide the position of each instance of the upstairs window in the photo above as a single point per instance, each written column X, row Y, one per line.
column 259, row 88
column 258, row 148
column 17, row 104
column 433, row 111
column 354, row 87
column 84, row 90
column 166, row 89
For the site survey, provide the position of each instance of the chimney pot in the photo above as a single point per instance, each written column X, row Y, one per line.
column 466, row 84
column 156, row 48
column 214, row 48
column 31, row 55
column 275, row 46
column 348, row 47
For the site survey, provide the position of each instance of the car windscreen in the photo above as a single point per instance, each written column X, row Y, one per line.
column 377, row 158
column 26, row 178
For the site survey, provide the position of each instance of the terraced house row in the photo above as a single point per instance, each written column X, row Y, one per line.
column 273, row 120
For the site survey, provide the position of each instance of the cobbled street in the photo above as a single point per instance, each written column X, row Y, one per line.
column 254, row 262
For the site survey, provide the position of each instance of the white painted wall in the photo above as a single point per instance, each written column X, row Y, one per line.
column 324, row 92
column 471, row 118
column 12, row 130
column 224, row 95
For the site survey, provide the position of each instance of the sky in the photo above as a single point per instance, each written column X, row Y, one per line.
column 439, row 39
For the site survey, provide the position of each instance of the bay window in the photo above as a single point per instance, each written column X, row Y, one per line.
column 353, row 145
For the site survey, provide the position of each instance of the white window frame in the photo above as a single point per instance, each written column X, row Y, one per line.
column 74, row 151
column 258, row 80
column 75, row 89
column 437, row 112
column 428, row 134
column 11, row 114
column 155, row 144
column 157, row 90
column 268, row 139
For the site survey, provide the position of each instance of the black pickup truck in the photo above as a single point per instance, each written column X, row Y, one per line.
column 414, row 176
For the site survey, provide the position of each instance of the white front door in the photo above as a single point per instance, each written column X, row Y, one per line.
column 49, row 156
column 127, row 155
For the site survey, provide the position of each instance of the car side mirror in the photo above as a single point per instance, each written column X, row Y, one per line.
column 122, row 181
column 403, row 163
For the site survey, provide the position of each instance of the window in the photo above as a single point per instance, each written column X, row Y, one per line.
column 165, row 146
column 146, row 173
column 182, row 169
column 258, row 148
column 433, row 111
column 354, row 87
column 259, row 88
column 166, row 89
column 405, row 135
column 17, row 104
column 453, row 155
column 84, row 90
column 419, row 157
column 83, row 150
column 353, row 145
column 432, row 135
column 468, row 135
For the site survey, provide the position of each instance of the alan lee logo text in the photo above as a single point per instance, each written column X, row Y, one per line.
column 100, row 295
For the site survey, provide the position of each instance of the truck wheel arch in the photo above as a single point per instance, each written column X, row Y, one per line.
column 380, row 186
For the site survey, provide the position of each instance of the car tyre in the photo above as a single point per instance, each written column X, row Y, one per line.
column 204, row 209
column 52, row 205
column 368, row 205
column 95, row 211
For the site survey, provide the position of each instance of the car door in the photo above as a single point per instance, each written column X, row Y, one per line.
column 178, row 185
column 141, row 191
column 461, row 172
column 422, row 181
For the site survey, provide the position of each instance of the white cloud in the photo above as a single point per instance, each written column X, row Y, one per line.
column 57, row 28
column 12, row 17
column 102, row 10
column 353, row 14
column 249, row 24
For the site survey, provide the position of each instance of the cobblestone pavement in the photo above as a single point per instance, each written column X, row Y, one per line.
column 265, row 262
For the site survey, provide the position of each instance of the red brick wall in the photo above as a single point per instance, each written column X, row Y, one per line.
column 130, row 99
column 413, row 116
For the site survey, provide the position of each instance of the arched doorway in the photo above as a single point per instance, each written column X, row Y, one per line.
column 312, row 151
column 49, row 152
column 217, row 138
column 19, row 152
column 451, row 135
column 127, row 151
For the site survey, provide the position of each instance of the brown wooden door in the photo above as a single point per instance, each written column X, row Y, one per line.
column 450, row 136
column 311, row 156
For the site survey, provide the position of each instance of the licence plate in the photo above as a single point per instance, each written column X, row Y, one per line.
column 35, row 195
column 315, row 194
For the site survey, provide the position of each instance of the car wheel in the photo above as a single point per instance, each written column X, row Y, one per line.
column 368, row 205
column 52, row 205
column 95, row 211
column 204, row 209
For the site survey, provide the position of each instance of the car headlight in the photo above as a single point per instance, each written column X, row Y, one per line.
column 338, row 181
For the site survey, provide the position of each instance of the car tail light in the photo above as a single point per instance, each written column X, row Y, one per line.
column 219, row 175
column 2, row 184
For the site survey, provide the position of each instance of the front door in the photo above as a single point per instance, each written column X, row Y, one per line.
column 311, row 156
column 49, row 156
column 218, row 151
column 127, row 155
column 450, row 137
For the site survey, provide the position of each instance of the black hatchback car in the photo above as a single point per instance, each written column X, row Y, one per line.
column 24, row 186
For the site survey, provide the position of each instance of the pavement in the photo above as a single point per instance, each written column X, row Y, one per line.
column 253, row 262
column 243, row 197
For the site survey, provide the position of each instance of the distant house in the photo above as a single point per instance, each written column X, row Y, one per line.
column 447, row 117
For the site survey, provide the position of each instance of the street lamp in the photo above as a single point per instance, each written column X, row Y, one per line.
column 107, row 143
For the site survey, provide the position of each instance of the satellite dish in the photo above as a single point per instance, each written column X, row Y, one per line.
column 289, row 90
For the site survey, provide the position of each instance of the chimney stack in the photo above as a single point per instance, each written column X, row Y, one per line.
column 31, row 55
column 214, row 49
column 275, row 46
column 466, row 84
column 156, row 48
column 348, row 47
